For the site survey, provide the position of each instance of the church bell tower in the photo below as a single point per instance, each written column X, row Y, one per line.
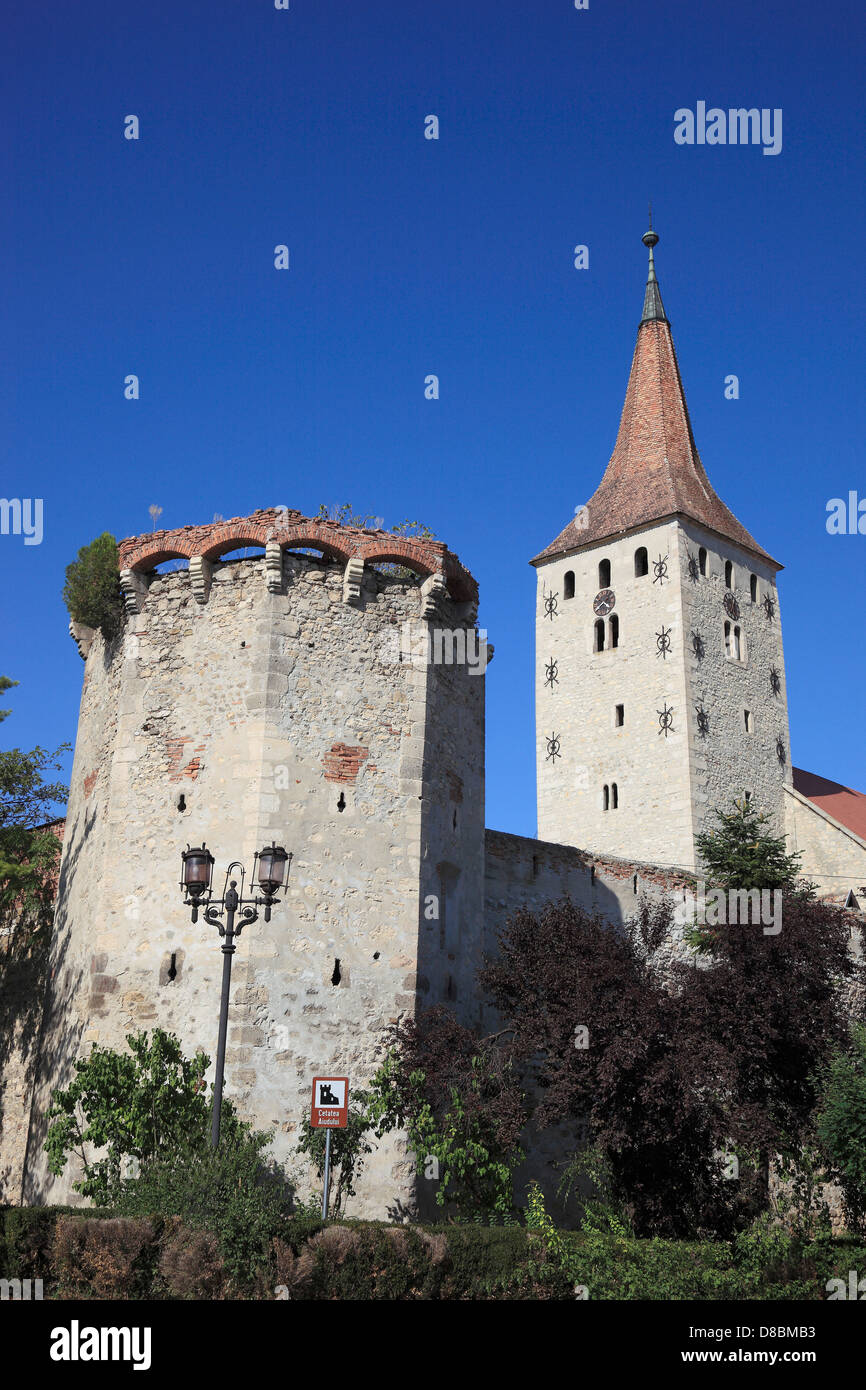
column 660, row 675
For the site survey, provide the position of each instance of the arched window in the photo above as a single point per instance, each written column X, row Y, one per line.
column 568, row 584
column 599, row 635
column 605, row 797
column 641, row 562
column 753, row 588
column 614, row 796
column 729, row 574
column 604, row 574
column 702, row 560
column 614, row 631
column 735, row 647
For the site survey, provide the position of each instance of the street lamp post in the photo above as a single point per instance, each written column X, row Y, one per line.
column 270, row 872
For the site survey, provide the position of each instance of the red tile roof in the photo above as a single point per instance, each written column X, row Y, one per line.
column 655, row 470
column 842, row 803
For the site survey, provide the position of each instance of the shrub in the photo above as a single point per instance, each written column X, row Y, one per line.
column 92, row 589
column 111, row 1258
column 190, row 1263
column 27, row 1237
column 349, row 1149
column 228, row 1192
column 460, row 1104
column 367, row 1262
column 842, row 1123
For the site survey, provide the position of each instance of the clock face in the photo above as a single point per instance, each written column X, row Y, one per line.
column 603, row 602
column 732, row 608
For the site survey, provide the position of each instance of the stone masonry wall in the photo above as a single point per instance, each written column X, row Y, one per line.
column 669, row 663
column 727, row 759
column 653, row 817
column 833, row 856
column 266, row 706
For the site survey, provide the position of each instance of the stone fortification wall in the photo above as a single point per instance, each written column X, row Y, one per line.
column 272, row 697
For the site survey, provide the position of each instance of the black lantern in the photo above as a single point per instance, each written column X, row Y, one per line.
column 272, row 869
column 197, row 871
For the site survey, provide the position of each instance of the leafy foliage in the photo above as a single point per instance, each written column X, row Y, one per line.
column 458, row 1099
column 349, row 1149
column 229, row 1191
column 144, row 1106
column 28, row 853
column 842, row 1122
column 92, row 589
column 5, row 684
column 148, row 1109
column 101, row 1255
column 683, row 1064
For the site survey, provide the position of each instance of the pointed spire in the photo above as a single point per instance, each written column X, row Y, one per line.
column 655, row 470
column 652, row 301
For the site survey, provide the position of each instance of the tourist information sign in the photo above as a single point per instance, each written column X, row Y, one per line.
column 330, row 1102
column 330, row 1111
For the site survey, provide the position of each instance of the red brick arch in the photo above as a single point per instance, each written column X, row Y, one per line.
column 316, row 535
column 411, row 554
column 148, row 557
column 242, row 535
column 291, row 529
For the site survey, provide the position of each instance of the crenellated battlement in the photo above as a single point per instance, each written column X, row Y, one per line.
column 279, row 529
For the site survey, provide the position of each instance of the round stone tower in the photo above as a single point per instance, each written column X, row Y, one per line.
column 326, row 692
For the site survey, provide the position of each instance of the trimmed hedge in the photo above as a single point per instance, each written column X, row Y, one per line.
column 84, row 1253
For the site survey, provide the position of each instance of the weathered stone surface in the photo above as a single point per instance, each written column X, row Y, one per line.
column 253, row 716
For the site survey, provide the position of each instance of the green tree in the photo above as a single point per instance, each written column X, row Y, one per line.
column 28, row 853
column 741, row 852
column 5, row 684
column 841, row 1122
column 148, row 1105
column 92, row 589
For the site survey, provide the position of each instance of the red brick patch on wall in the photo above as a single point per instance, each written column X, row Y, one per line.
column 174, row 748
column 343, row 762
column 90, row 781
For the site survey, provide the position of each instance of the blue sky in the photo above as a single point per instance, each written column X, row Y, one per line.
column 412, row 256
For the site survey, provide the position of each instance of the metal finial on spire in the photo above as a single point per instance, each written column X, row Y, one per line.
column 652, row 304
